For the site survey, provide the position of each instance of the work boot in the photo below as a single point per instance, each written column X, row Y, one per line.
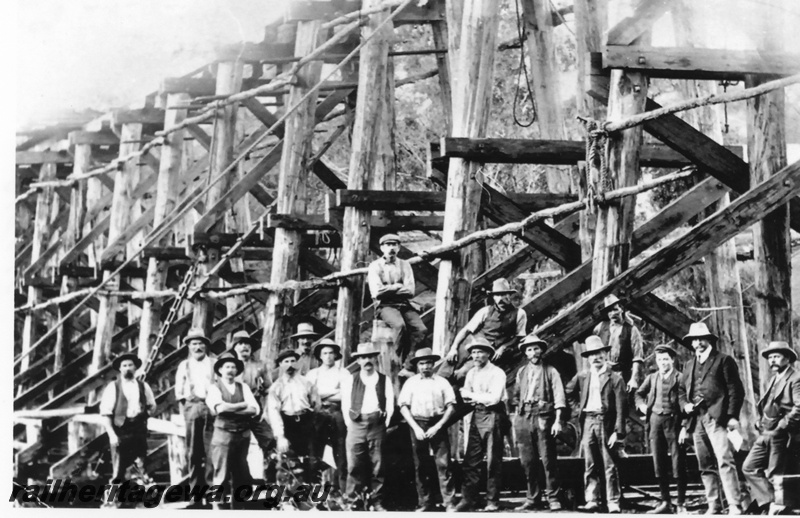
column 555, row 505
column 681, row 509
column 528, row 506
column 463, row 507
column 776, row 509
column 613, row 508
column 665, row 507
column 491, row 507
column 590, row 507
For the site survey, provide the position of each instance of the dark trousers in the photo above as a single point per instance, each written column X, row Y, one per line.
column 405, row 321
column 229, row 456
column 537, row 447
column 132, row 446
column 300, row 432
column 766, row 460
column 199, row 429
column 365, row 456
column 664, row 431
column 601, row 461
column 484, row 438
column 332, row 430
column 432, row 462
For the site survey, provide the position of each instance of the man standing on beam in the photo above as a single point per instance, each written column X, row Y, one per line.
column 712, row 397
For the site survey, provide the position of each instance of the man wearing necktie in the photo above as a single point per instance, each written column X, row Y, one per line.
column 779, row 424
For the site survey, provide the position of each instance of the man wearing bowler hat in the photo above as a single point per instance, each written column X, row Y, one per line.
column 303, row 338
column 233, row 404
column 657, row 398
column 502, row 324
column 368, row 406
column 625, row 340
column 126, row 404
column 331, row 428
column 391, row 283
column 603, row 407
column 712, row 396
column 539, row 397
column 427, row 402
column 485, row 389
column 779, row 426
column 192, row 380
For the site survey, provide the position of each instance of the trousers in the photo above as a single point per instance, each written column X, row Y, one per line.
column 229, row 457
column 484, row 438
column 132, row 446
column 715, row 460
column 432, row 463
column 300, row 432
column 332, row 430
column 664, row 431
column 601, row 461
column 537, row 447
column 199, row 429
column 766, row 460
column 405, row 321
column 365, row 456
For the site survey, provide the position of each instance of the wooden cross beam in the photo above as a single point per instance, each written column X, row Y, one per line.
column 642, row 278
column 435, row 200
column 43, row 157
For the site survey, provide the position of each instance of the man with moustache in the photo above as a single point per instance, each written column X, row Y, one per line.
column 192, row 380
column 658, row 400
column 391, row 283
column 712, row 396
column 603, row 407
column 303, row 338
column 540, row 400
column 331, row 427
column 233, row 404
column 779, row 425
column 291, row 404
column 485, row 389
column 427, row 402
column 367, row 405
column 126, row 403
column 626, row 353
column 500, row 323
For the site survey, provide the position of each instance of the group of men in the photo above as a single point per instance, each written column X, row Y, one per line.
column 311, row 402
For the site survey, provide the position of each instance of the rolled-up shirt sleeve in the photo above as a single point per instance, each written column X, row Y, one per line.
column 149, row 398
column 108, row 399
column 274, row 410
column 559, row 397
column 213, row 398
column 249, row 398
column 181, row 389
column 522, row 323
column 636, row 344
column 476, row 322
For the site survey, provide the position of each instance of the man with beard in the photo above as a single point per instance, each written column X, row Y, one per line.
column 501, row 324
column 427, row 401
column 303, row 338
column 233, row 404
column 331, row 428
column 126, row 404
column 367, row 405
column 625, row 341
column 291, row 403
column 779, row 425
column 603, row 407
column 539, row 397
column 195, row 374
column 391, row 283
column 657, row 399
column 485, row 389
column 712, row 396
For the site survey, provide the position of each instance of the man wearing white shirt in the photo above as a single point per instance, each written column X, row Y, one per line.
column 126, row 404
column 367, row 406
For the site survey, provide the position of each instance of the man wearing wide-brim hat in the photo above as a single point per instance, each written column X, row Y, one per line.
column 126, row 403
column 779, row 426
column 194, row 376
column 502, row 324
column 603, row 409
column 233, row 404
column 303, row 339
column 626, row 353
column 427, row 402
column 712, row 397
column 540, row 402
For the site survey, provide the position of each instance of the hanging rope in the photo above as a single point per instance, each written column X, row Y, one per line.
column 596, row 159
column 523, row 69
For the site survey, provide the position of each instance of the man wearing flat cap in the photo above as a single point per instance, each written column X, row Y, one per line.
column 502, row 324
column 712, row 395
column 427, row 402
column 233, row 404
column 331, row 428
column 291, row 405
column 484, row 389
column 540, row 401
column 126, row 404
column 391, row 283
column 192, row 380
column 625, row 340
column 603, row 407
column 779, row 426
column 657, row 398
column 368, row 406
column 303, row 339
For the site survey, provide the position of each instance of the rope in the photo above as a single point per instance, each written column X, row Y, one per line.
column 523, row 68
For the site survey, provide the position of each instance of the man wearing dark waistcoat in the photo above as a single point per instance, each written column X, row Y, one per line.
column 618, row 332
column 657, row 399
column 712, row 396
column 603, row 407
column 126, row 404
column 779, row 426
column 500, row 323
column 540, row 401
column 367, row 405
column 233, row 404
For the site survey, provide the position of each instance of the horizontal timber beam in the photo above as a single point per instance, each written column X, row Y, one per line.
column 43, row 157
column 435, row 200
column 384, row 222
column 416, row 12
column 94, row 138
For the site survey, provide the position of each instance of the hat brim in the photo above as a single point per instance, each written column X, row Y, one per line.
column 305, row 335
column 501, row 292
column 540, row 343
column 187, row 339
column 789, row 353
column 488, row 348
column 688, row 338
column 222, row 361
column 118, row 361
column 431, row 357
column 586, row 354
column 335, row 347
column 361, row 355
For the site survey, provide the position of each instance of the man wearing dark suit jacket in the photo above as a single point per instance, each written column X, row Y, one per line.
column 603, row 409
column 657, row 399
column 779, row 412
column 712, row 395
